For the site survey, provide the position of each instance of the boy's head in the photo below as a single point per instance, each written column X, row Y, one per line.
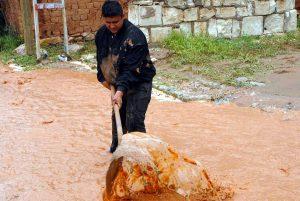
column 113, row 16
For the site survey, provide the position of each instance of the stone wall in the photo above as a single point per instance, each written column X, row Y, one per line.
column 218, row 18
column 83, row 17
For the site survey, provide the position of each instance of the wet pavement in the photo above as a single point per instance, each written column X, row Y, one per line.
column 55, row 133
column 282, row 86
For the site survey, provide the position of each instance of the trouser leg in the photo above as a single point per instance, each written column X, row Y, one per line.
column 137, row 103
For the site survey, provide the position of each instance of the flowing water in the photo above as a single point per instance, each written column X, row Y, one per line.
column 55, row 133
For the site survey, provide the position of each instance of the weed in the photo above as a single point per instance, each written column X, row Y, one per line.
column 243, row 53
column 88, row 47
column 9, row 42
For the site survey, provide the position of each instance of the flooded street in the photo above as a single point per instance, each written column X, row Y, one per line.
column 55, row 134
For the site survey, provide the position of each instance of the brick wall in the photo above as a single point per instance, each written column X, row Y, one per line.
column 83, row 16
column 298, row 5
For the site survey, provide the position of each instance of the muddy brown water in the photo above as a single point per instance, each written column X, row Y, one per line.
column 55, row 133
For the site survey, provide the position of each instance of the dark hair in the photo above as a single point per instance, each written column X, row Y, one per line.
column 112, row 8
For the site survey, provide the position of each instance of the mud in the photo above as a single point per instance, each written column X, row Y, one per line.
column 55, row 133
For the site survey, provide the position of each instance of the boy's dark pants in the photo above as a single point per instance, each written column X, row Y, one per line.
column 134, row 106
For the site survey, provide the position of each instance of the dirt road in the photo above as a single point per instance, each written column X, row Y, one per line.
column 55, row 132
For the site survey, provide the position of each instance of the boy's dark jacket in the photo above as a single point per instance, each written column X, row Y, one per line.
column 123, row 59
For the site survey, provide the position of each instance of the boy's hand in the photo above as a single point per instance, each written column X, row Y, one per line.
column 117, row 99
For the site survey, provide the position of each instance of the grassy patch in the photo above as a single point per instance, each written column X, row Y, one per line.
column 10, row 41
column 203, row 49
column 88, row 48
column 55, row 50
column 244, row 53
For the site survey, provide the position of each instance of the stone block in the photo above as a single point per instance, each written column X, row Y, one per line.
column 143, row 2
column 224, row 28
column 226, row 12
column 198, row 2
column 190, row 3
column 150, row 15
column 212, row 28
column 284, row 5
column 236, row 28
column 200, row 27
column 88, row 36
column 234, row 3
column 177, row 3
column 172, row 16
column 205, row 13
column 146, row 33
column 216, row 3
column 160, row 33
column 264, row 7
column 206, row 3
column 243, row 12
column 186, row 27
column 290, row 20
column 133, row 14
column 190, row 14
column 252, row 25
column 274, row 23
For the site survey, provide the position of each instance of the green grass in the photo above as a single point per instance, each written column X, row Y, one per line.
column 88, row 47
column 55, row 50
column 8, row 42
column 242, row 54
column 202, row 49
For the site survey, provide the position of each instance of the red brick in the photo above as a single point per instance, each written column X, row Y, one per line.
column 79, row 29
column 90, row 6
column 82, row 5
column 57, row 33
column 84, row 17
column 75, row 6
column 97, row 5
column 84, row 23
column 54, row 20
column 87, row 29
column 56, row 13
column 76, row 17
column 84, row 11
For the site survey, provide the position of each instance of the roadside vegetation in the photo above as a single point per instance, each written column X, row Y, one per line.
column 223, row 60
column 217, row 59
column 9, row 41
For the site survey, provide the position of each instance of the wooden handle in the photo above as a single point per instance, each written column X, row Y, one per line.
column 117, row 115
